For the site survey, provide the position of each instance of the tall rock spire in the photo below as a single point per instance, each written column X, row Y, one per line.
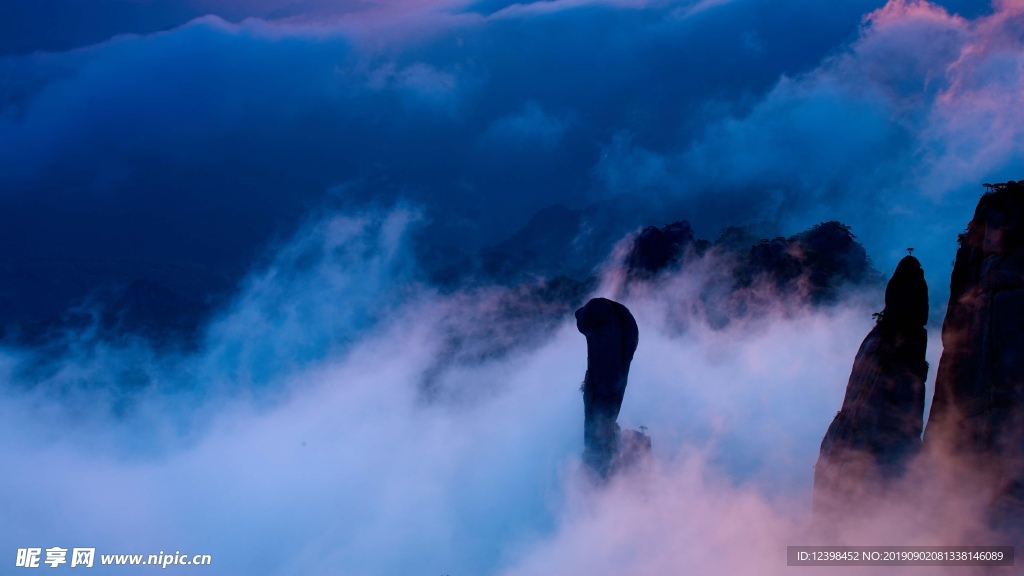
column 977, row 414
column 878, row 429
column 612, row 338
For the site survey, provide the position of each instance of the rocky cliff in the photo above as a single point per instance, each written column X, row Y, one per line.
column 878, row 429
column 612, row 337
column 656, row 249
column 977, row 414
column 815, row 263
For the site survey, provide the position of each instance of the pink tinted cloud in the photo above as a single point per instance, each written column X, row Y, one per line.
column 974, row 125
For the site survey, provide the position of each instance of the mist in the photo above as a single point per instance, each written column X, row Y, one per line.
column 292, row 164
column 300, row 439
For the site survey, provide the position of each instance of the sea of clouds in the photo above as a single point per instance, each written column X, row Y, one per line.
column 298, row 438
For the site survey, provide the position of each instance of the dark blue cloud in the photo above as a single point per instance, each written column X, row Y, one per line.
column 201, row 144
column 296, row 437
column 28, row 26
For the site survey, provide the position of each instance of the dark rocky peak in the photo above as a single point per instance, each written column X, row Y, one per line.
column 775, row 258
column 878, row 430
column 747, row 276
column 654, row 250
column 740, row 239
column 977, row 413
column 992, row 235
column 906, row 295
column 822, row 258
column 612, row 338
column 832, row 249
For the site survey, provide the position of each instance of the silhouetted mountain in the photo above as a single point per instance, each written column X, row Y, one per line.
column 815, row 262
column 878, row 430
column 559, row 241
column 40, row 289
column 977, row 412
column 540, row 246
column 654, row 250
column 612, row 338
column 740, row 239
column 556, row 247
column 748, row 276
column 141, row 308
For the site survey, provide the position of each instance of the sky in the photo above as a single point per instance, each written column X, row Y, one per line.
column 307, row 152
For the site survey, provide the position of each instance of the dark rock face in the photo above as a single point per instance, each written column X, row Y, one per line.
column 634, row 447
column 739, row 277
column 878, row 429
column 816, row 261
column 612, row 338
column 809, row 267
column 739, row 239
column 653, row 250
column 977, row 414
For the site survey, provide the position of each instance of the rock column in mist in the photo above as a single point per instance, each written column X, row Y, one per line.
column 612, row 338
column 977, row 414
column 878, row 429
